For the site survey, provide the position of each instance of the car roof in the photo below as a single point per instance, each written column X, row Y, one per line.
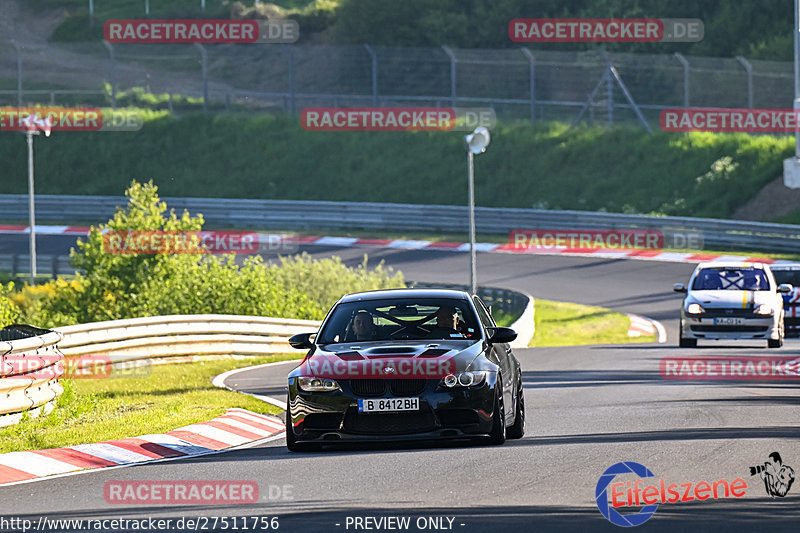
column 405, row 293
column 785, row 266
column 731, row 264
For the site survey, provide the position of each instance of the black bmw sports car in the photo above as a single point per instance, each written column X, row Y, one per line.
column 405, row 364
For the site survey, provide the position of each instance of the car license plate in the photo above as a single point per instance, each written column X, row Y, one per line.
column 388, row 404
column 729, row 321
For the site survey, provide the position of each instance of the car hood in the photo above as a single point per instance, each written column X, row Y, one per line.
column 730, row 299
column 396, row 360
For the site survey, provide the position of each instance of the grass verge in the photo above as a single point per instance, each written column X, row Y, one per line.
column 173, row 396
column 548, row 166
column 569, row 324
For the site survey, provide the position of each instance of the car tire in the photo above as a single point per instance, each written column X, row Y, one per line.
column 517, row 431
column 498, row 433
column 687, row 343
column 291, row 441
column 777, row 343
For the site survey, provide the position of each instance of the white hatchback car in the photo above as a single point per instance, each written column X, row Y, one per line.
column 732, row 300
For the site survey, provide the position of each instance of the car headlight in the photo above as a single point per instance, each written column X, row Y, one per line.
column 763, row 309
column 310, row 384
column 464, row 379
column 695, row 309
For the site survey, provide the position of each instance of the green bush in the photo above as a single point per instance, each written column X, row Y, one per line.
column 9, row 312
column 115, row 286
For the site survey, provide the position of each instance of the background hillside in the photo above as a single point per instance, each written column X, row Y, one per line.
column 757, row 30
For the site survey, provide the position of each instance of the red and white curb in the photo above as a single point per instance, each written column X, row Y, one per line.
column 643, row 326
column 271, row 240
column 237, row 427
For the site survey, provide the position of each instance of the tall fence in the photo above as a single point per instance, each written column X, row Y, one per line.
column 520, row 83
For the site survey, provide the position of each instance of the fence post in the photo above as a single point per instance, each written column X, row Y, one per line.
column 204, row 63
column 609, row 90
column 147, row 7
column 685, row 65
column 19, row 72
column 749, row 69
column 531, row 81
column 374, row 74
column 112, row 72
column 290, row 53
column 452, row 57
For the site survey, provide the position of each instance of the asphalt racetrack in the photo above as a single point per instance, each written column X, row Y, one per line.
column 587, row 409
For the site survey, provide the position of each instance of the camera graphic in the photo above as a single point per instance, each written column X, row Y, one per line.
column 777, row 477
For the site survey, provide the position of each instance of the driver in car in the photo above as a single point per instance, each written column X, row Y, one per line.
column 446, row 323
column 363, row 327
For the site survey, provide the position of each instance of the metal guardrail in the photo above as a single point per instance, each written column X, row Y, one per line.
column 306, row 215
column 27, row 353
column 48, row 265
column 181, row 335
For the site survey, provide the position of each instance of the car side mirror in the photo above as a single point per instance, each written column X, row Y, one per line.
column 784, row 287
column 301, row 341
column 679, row 287
column 502, row 335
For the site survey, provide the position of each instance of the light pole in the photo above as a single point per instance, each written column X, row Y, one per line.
column 33, row 125
column 475, row 143
column 791, row 166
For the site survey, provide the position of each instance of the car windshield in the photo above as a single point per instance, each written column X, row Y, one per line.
column 787, row 276
column 731, row 279
column 400, row 319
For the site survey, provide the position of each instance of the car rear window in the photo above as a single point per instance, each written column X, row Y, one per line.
column 731, row 279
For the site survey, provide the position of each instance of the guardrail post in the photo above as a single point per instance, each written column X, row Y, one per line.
column 374, row 74
column 204, row 63
column 748, row 68
column 685, row 65
column 452, row 57
column 112, row 73
column 531, row 81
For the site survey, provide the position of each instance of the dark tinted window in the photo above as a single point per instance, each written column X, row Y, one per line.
column 731, row 279
column 398, row 319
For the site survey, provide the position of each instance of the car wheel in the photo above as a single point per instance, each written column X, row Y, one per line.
column 518, row 429
column 291, row 441
column 687, row 343
column 498, row 434
column 777, row 343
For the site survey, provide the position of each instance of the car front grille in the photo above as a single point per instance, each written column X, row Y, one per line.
column 407, row 387
column 377, row 387
column 406, row 422
column 724, row 329
column 730, row 312
column 368, row 387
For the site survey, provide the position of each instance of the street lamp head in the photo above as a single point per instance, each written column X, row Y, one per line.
column 477, row 141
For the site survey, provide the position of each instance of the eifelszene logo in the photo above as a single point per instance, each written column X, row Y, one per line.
column 630, row 494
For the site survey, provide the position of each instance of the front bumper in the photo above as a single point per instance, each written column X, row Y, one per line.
column 715, row 326
column 443, row 413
